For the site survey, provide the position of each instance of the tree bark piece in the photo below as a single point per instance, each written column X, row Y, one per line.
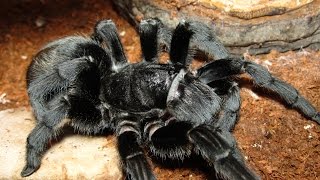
column 242, row 28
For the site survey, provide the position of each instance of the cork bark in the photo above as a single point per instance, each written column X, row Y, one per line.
column 255, row 30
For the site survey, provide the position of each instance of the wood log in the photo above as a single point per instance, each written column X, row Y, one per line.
column 255, row 28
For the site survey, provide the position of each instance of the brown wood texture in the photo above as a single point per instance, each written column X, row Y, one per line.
column 257, row 30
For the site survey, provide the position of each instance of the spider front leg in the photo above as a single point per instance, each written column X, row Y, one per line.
column 51, row 111
column 134, row 162
column 85, row 108
column 71, row 70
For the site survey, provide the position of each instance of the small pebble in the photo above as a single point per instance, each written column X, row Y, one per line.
column 40, row 22
column 24, row 57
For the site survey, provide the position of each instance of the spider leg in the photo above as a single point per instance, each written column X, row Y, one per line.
column 191, row 37
column 47, row 128
column 205, row 40
column 195, row 104
column 154, row 37
column 85, row 108
column 230, row 106
column 191, row 100
column 59, row 103
column 219, row 149
column 134, row 162
column 42, row 94
column 220, row 69
column 106, row 31
column 148, row 30
column 262, row 77
column 70, row 70
column 179, row 52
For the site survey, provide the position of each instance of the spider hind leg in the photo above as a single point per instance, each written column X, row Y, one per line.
column 288, row 93
column 190, row 38
column 224, row 68
column 219, row 149
column 49, row 124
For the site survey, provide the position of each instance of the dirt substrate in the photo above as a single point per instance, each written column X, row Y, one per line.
column 277, row 142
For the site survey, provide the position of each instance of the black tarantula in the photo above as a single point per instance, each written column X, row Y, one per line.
column 88, row 84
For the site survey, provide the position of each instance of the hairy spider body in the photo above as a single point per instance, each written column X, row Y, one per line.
column 151, row 85
column 164, row 107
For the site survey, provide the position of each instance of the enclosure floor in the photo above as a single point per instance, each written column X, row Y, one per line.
column 278, row 143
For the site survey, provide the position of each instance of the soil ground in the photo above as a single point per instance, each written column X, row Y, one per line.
column 278, row 143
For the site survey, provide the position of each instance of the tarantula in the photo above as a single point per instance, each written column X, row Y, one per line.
column 165, row 108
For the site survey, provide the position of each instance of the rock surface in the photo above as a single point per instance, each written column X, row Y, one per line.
column 254, row 27
column 74, row 157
